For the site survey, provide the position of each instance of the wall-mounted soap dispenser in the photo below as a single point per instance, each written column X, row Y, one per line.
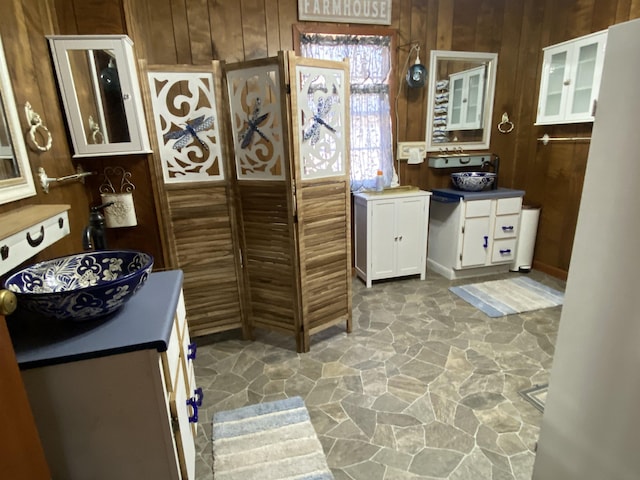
column 94, row 236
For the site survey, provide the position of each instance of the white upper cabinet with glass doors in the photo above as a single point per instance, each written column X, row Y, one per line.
column 570, row 81
column 466, row 96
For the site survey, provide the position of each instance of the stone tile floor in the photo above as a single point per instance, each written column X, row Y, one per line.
column 425, row 386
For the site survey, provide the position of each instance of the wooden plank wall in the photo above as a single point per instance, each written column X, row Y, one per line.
column 23, row 25
column 177, row 31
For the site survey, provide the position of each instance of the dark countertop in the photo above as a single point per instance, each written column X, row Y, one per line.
column 449, row 195
column 142, row 323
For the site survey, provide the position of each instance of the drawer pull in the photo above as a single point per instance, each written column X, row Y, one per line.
column 194, row 406
column 34, row 242
column 506, row 251
column 507, row 228
column 60, row 222
column 486, row 242
column 191, row 351
column 199, row 396
column 4, row 252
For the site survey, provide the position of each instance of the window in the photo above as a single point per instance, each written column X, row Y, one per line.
column 371, row 57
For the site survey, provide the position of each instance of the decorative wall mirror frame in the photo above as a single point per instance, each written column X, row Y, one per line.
column 460, row 100
column 98, row 82
column 16, row 179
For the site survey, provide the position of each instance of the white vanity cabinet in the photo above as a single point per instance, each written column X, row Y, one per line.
column 474, row 236
column 570, row 82
column 390, row 234
column 128, row 409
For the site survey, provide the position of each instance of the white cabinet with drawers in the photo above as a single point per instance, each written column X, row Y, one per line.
column 129, row 410
column 390, row 234
column 471, row 237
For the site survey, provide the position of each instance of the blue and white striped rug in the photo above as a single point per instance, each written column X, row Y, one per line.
column 498, row 298
column 268, row 441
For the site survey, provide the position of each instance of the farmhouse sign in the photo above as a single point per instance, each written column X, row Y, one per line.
column 346, row 11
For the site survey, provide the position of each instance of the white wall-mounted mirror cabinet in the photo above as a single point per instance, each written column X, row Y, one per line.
column 99, row 86
column 16, row 179
column 460, row 100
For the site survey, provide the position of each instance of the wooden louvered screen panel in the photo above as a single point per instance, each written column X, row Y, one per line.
column 202, row 230
column 325, row 254
column 269, row 255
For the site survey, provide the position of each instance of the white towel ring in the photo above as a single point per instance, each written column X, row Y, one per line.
column 36, row 124
column 505, row 126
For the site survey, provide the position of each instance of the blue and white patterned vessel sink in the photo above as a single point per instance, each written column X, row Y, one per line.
column 83, row 286
column 472, row 181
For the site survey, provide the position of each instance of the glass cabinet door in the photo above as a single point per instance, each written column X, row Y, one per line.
column 587, row 70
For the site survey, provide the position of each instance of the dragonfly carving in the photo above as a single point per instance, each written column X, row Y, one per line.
column 190, row 132
column 322, row 109
column 252, row 123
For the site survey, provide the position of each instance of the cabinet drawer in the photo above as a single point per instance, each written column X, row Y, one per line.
column 477, row 208
column 171, row 359
column 181, row 315
column 506, row 226
column 504, row 250
column 506, row 206
column 25, row 244
column 185, row 414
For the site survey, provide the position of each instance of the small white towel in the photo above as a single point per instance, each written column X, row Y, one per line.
column 415, row 156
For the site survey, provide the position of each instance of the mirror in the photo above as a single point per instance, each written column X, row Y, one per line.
column 101, row 95
column 460, row 100
column 16, row 180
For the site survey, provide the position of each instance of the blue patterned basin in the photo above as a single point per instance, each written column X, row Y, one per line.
column 472, row 181
column 83, row 286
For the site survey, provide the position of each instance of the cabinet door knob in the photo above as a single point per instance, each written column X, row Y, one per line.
column 486, row 242
column 191, row 351
column 567, row 82
column 8, row 302
column 199, row 396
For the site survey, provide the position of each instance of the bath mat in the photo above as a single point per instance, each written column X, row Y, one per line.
column 268, row 441
column 498, row 298
column 536, row 395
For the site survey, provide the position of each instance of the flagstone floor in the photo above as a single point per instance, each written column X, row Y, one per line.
column 425, row 386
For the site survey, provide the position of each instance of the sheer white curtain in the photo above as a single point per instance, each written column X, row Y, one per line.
column 371, row 127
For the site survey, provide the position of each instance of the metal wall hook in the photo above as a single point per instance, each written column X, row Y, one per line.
column 45, row 180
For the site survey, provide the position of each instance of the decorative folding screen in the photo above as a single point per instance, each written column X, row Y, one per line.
column 293, row 199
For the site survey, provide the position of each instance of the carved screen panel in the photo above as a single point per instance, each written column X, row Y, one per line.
column 187, row 128
column 321, row 121
column 256, row 122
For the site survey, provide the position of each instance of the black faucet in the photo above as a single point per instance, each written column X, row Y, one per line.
column 495, row 164
column 94, row 236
